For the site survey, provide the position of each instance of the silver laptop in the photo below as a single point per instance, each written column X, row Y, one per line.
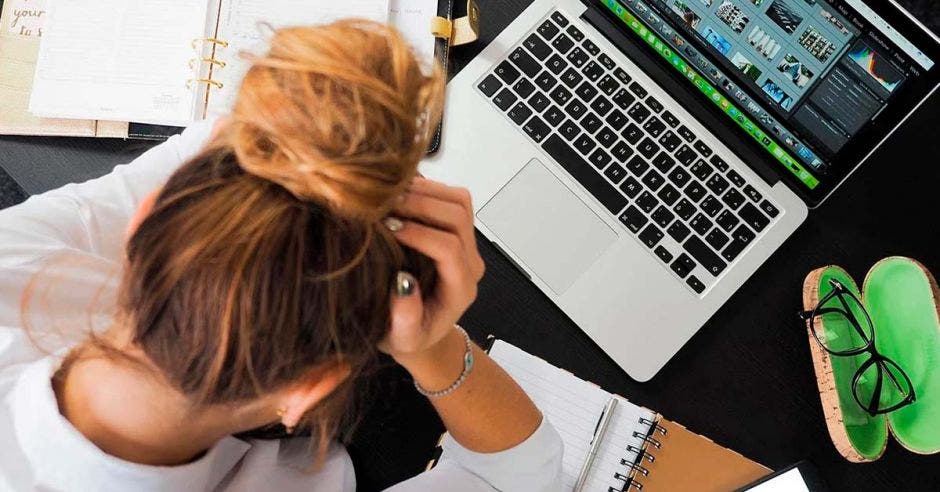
column 640, row 159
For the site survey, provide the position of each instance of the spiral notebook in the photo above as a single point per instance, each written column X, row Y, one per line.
column 639, row 450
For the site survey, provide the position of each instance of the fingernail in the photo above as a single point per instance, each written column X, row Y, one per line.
column 393, row 224
column 405, row 284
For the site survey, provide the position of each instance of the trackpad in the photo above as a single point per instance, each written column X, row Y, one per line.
column 546, row 225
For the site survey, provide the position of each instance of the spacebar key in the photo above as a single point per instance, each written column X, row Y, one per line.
column 705, row 256
column 585, row 174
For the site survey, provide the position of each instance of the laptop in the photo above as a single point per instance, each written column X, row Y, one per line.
column 638, row 160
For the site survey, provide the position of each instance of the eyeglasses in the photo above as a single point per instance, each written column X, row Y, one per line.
column 845, row 335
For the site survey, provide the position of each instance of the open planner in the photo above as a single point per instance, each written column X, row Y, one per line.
column 639, row 449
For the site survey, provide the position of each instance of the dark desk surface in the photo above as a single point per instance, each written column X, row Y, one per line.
column 745, row 380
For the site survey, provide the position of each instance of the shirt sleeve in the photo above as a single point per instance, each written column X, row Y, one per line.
column 72, row 239
column 533, row 465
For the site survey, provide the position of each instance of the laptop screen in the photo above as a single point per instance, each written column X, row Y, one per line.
column 815, row 84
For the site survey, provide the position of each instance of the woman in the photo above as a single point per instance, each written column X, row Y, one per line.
column 261, row 270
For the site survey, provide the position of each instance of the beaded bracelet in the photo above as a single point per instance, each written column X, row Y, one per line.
column 467, row 367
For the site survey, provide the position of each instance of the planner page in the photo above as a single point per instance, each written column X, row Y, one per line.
column 124, row 60
column 574, row 406
column 413, row 19
column 244, row 25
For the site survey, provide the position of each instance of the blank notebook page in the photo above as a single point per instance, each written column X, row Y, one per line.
column 573, row 406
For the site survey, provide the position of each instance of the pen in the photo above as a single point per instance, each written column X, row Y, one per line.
column 595, row 443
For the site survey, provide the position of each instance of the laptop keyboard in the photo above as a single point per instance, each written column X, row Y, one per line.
column 685, row 204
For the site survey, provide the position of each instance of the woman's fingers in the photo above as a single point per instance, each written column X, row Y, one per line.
column 438, row 213
column 407, row 316
column 457, row 287
column 460, row 196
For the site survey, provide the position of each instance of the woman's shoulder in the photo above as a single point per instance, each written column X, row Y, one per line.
column 290, row 464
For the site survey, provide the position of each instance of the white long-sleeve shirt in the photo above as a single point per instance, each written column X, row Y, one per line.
column 73, row 238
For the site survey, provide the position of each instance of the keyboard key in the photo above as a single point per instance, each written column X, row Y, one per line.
column 704, row 255
column 593, row 71
column 632, row 133
column 578, row 57
column 539, row 102
column 562, row 44
column 716, row 239
column 559, row 18
column 701, row 170
column 539, row 48
column 719, row 163
column 703, row 149
column 683, row 265
column 525, row 62
column 700, row 224
column 505, row 99
column 599, row 159
column 585, row 144
column 507, row 72
column 639, row 112
column 490, row 85
column 654, row 104
column 647, row 202
column 622, row 152
column 545, row 81
column 670, row 119
column 717, row 184
column 560, row 95
column 569, row 130
column 753, row 194
column 557, row 64
column 608, row 85
column 695, row 284
column 622, row 75
column 727, row 220
column 670, row 141
column 685, row 209
column 572, row 78
column 678, row 231
column 733, row 199
column 576, row 109
column 738, row 244
column 537, row 129
column 743, row 234
column 769, row 209
column 662, row 216
column 591, row 47
column 648, row 148
column 602, row 106
column 663, row 254
column 664, row 162
column 654, row 127
column 554, row 116
column 680, row 178
column 583, row 173
column 686, row 134
column 651, row 236
column 668, row 194
column 576, row 34
column 608, row 63
column 615, row 173
column 633, row 219
column 524, row 88
column 623, row 99
column 548, row 30
column 591, row 123
column 519, row 113
column 754, row 217
column 638, row 90
column 735, row 178
column 586, row 91
column 710, row 206
column 686, row 155
column 606, row 137
column 616, row 119
column 631, row 187
column 637, row 166
column 695, row 191
column 653, row 180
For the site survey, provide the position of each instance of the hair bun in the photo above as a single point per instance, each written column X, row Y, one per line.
column 339, row 114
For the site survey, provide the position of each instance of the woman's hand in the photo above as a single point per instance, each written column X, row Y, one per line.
column 437, row 221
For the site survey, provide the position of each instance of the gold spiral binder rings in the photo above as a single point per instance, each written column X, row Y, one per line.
column 213, row 62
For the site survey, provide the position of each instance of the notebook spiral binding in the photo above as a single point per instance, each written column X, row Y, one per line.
column 214, row 63
column 636, row 464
